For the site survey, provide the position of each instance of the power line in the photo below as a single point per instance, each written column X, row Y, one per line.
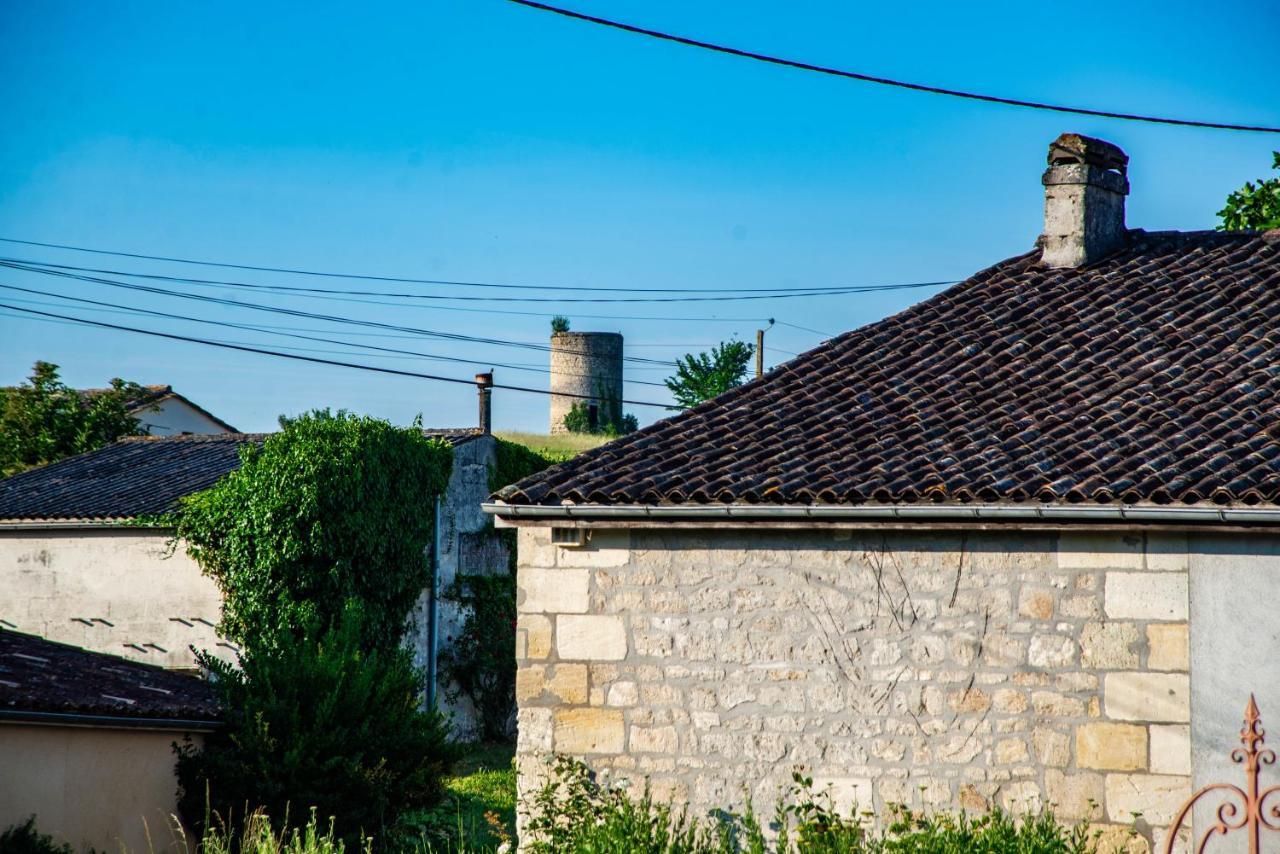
column 333, row 293
column 806, row 329
column 373, row 278
column 885, row 81
column 132, row 310
column 292, row 312
column 312, row 359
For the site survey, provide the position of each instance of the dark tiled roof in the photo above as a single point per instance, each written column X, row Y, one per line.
column 138, row 476
column 1153, row 376
column 129, row 478
column 40, row 676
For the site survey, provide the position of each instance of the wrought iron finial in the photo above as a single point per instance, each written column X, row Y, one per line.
column 1243, row 809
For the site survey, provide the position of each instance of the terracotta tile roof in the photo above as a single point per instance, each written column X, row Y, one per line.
column 42, row 677
column 133, row 477
column 1151, row 377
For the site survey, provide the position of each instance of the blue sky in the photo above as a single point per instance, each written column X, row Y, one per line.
column 479, row 140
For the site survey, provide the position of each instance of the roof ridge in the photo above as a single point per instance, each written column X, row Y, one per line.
column 1144, row 376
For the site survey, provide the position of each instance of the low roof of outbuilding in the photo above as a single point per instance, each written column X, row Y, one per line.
column 44, row 681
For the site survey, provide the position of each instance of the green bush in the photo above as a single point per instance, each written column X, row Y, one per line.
column 25, row 839
column 572, row 813
column 258, row 835
column 330, row 509
column 319, row 720
column 578, row 420
column 44, row 420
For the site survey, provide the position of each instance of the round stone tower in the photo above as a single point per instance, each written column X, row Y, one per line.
column 587, row 364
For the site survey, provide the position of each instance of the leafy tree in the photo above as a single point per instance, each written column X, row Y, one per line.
column 559, row 323
column 332, row 508
column 44, row 420
column 578, row 420
column 1255, row 208
column 704, row 376
column 318, row 721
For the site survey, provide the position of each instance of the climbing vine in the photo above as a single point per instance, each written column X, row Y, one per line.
column 334, row 510
column 479, row 664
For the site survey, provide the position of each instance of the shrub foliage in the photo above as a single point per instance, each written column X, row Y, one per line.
column 572, row 812
column 1254, row 206
column 706, row 375
column 333, row 508
column 44, row 420
column 319, row 720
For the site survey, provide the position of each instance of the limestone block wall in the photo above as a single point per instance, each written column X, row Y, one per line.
column 944, row 669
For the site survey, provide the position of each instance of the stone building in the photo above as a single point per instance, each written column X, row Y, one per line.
column 86, row 743
column 77, row 567
column 1017, row 544
column 586, row 369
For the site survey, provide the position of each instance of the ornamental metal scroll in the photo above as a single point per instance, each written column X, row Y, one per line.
column 1244, row 809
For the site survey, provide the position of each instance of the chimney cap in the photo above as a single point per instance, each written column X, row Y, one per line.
column 485, row 379
column 1077, row 148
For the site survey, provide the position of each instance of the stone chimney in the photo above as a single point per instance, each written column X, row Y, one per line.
column 484, row 387
column 1084, row 190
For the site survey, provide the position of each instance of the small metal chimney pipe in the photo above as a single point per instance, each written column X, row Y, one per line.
column 484, row 387
column 1084, row 190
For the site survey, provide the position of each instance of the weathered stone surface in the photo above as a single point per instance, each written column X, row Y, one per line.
column 1053, row 748
column 850, row 796
column 587, row 730
column 553, row 591
column 604, row 549
column 623, row 694
column 1074, row 794
column 1156, row 697
column 654, row 740
column 533, row 730
column 1171, row 749
column 529, row 681
column 534, row 547
column 1036, row 604
column 1146, row 596
column 1051, row 652
column 1167, row 552
column 1156, row 797
column 1109, row 646
column 1010, row 702
column 1111, row 747
column 533, row 636
column 591, row 638
column 1169, row 646
column 568, row 683
column 1099, row 551
column 1011, row 750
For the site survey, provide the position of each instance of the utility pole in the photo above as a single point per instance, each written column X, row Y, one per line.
column 760, row 349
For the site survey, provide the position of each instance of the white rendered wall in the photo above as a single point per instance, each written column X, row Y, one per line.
column 173, row 417
column 114, row 590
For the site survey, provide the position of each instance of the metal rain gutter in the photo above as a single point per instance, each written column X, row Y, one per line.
column 906, row 512
column 106, row 721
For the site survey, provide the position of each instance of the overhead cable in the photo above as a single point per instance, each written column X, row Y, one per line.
column 886, row 81
column 312, row 359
